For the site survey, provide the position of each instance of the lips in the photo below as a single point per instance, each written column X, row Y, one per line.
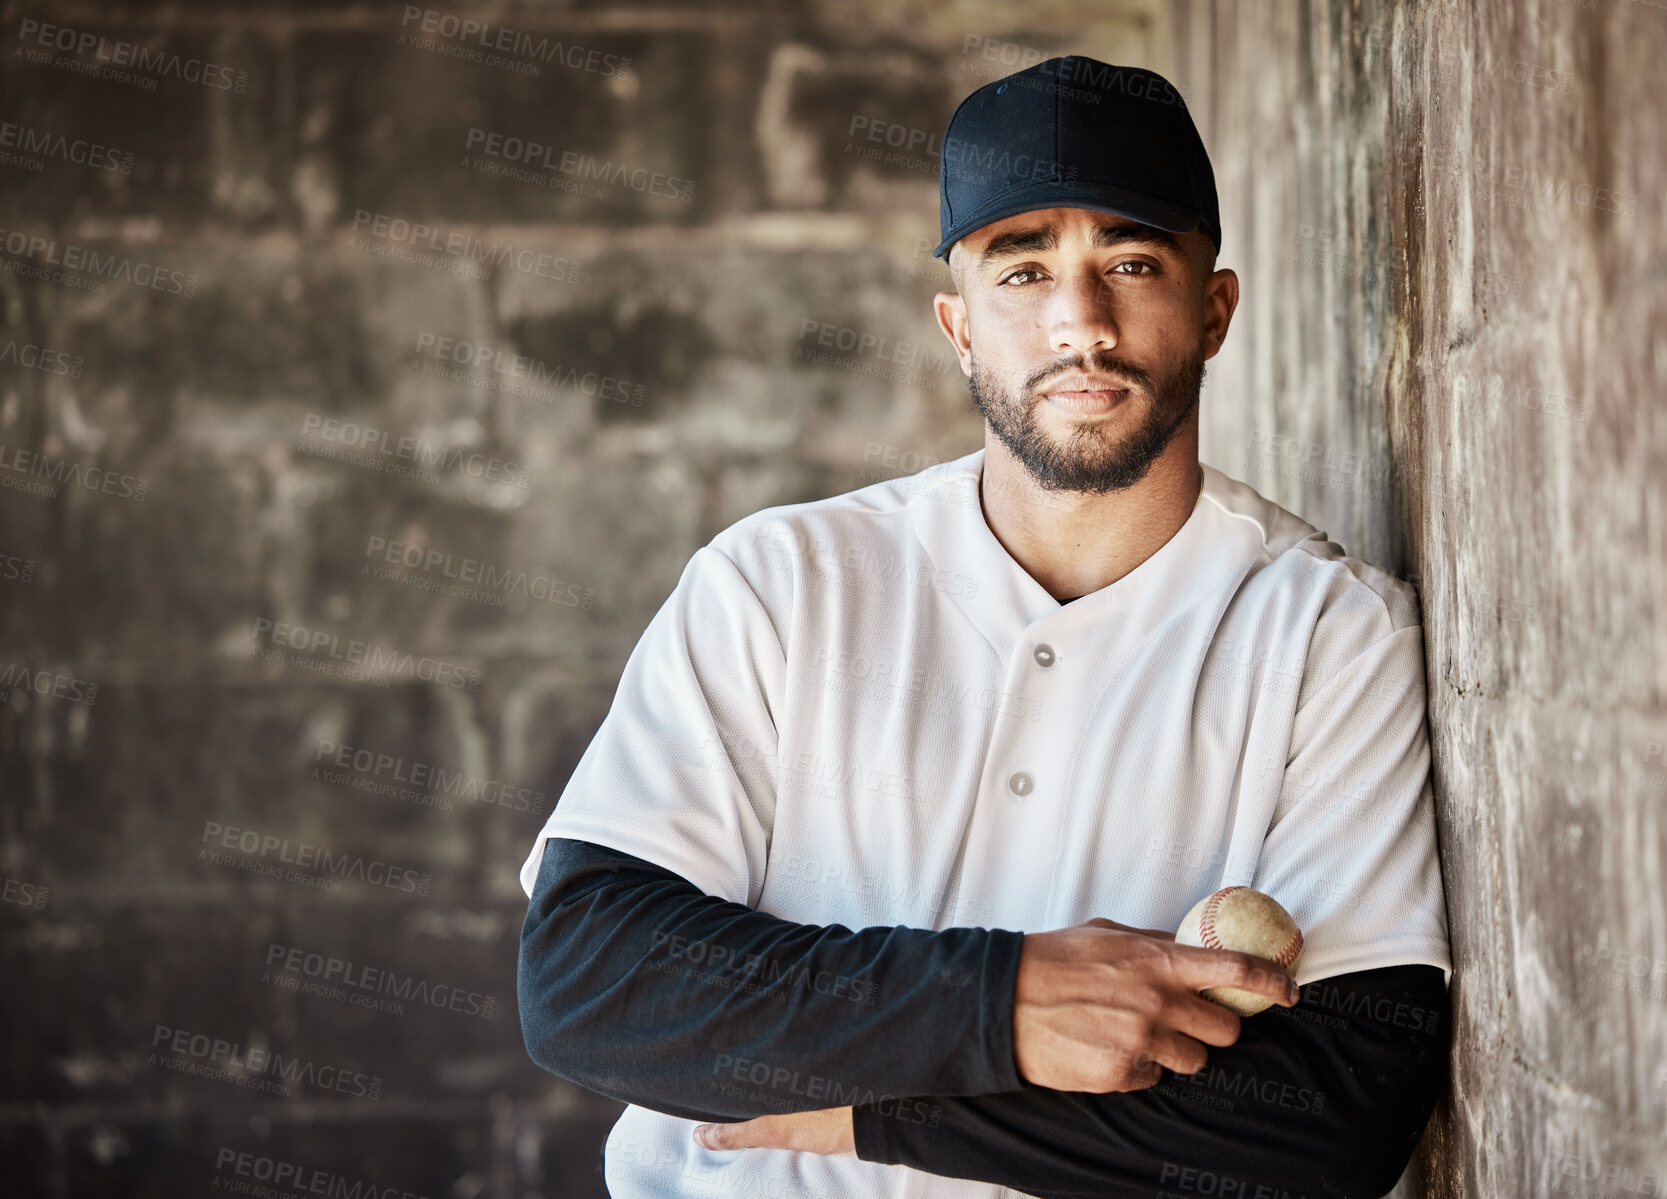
column 1086, row 399
column 1087, row 393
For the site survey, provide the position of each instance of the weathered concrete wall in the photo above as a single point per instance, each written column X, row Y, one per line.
column 1444, row 323
column 1452, row 355
column 253, row 201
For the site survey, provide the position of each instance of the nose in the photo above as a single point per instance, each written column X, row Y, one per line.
column 1080, row 316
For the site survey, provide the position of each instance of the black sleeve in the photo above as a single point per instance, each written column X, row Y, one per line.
column 634, row 983
column 1325, row 1100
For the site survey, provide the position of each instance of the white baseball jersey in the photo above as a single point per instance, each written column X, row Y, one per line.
column 862, row 711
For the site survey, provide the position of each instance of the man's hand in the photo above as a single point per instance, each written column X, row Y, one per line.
column 1101, row 1006
column 826, row 1131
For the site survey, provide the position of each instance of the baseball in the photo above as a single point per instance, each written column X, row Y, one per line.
column 1245, row 920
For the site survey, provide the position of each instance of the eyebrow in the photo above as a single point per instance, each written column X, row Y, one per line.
column 1040, row 240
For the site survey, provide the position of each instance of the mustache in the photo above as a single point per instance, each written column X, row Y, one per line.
column 1103, row 363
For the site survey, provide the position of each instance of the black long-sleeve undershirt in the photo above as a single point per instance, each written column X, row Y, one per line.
column 1325, row 1099
column 635, row 984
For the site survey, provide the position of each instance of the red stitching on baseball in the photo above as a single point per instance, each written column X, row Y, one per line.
column 1207, row 920
column 1292, row 948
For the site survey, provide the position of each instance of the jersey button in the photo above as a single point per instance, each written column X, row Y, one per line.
column 1021, row 784
column 1044, row 655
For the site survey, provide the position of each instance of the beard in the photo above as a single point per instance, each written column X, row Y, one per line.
column 1091, row 459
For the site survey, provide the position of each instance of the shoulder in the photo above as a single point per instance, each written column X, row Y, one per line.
column 1303, row 562
column 1319, row 603
column 787, row 540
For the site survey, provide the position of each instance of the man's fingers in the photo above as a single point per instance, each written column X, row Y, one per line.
column 745, row 1134
column 1102, row 922
column 826, row 1130
column 1204, row 1021
column 1138, row 1078
column 1204, row 968
column 1179, row 1053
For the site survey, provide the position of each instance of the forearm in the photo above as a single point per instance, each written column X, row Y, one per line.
column 635, row 984
column 1326, row 1099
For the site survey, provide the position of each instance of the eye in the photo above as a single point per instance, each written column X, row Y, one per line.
column 1145, row 266
column 1016, row 274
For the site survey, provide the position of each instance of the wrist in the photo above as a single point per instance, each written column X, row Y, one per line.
column 999, row 1001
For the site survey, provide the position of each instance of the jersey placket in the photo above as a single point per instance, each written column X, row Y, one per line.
column 1013, row 845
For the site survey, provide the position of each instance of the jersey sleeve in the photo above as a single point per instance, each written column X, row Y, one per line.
column 1351, row 850
column 681, row 772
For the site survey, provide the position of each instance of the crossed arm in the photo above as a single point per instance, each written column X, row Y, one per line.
column 635, row 984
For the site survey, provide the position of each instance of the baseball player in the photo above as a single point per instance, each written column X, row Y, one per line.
column 865, row 886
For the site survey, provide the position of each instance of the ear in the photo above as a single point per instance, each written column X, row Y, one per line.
column 1221, row 298
column 951, row 310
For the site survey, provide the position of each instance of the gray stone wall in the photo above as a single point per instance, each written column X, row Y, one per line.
column 366, row 381
column 1448, row 220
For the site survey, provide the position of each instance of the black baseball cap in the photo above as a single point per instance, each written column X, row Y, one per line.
column 1075, row 132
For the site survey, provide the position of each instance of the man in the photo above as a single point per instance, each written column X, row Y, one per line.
column 864, row 885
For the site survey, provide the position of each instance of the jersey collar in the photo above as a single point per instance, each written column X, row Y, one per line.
column 1215, row 548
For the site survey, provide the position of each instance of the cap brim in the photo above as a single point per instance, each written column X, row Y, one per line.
column 1096, row 197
